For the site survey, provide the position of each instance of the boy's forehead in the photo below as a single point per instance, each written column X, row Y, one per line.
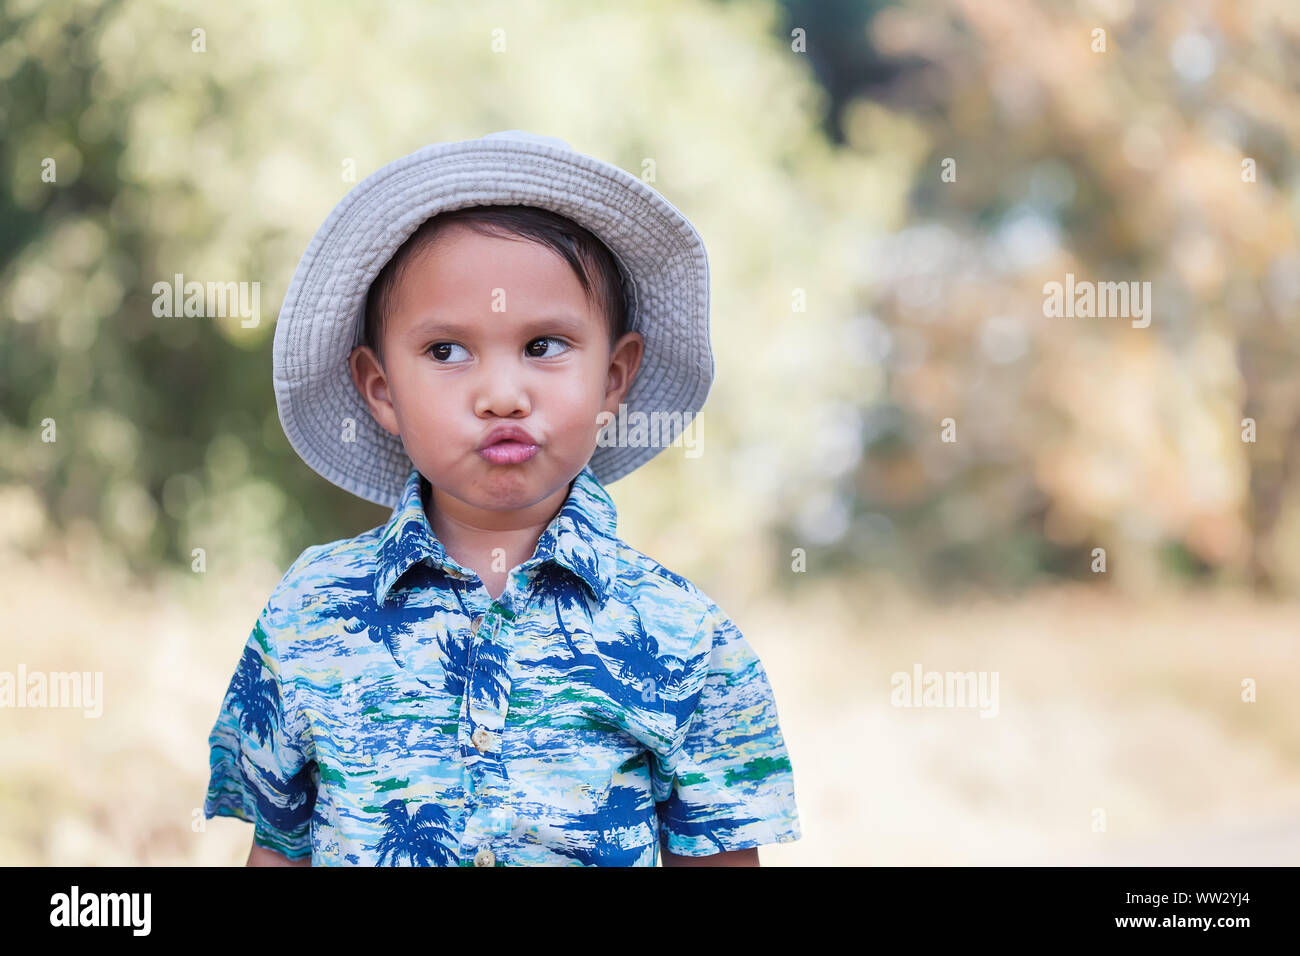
column 463, row 258
column 526, row 320
column 467, row 285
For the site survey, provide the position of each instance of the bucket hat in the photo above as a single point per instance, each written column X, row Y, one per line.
column 660, row 256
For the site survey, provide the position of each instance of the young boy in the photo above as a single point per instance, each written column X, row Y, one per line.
column 493, row 677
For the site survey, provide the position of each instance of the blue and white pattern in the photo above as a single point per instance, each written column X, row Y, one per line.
column 388, row 712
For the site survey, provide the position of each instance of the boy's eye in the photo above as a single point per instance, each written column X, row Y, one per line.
column 442, row 351
column 544, row 338
column 439, row 350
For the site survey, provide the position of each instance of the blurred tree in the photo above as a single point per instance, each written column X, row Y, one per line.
column 1122, row 163
column 210, row 142
column 863, row 300
column 844, row 60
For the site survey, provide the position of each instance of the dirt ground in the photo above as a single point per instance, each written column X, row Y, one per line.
column 1120, row 734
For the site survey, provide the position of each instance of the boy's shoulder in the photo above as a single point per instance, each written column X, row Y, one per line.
column 641, row 570
column 645, row 583
column 347, row 560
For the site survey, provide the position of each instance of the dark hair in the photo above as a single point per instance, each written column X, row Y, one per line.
column 589, row 258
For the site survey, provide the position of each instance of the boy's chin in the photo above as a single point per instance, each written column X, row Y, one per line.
column 492, row 485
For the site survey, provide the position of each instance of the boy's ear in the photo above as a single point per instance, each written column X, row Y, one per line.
column 624, row 363
column 372, row 382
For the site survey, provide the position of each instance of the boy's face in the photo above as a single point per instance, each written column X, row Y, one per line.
column 485, row 331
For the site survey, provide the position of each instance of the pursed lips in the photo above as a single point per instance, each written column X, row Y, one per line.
column 508, row 434
column 508, row 445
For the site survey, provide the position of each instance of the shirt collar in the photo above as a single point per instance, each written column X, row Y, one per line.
column 579, row 538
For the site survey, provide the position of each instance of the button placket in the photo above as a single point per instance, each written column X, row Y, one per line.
column 489, row 818
column 482, row 716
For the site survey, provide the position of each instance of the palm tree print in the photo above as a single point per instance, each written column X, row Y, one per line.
column 637, row 655
column 552, row 582
column 258, row 699
column 454, row 643
column 624, row 807
column 584, row 528
column 411, row 545
column 389, row 623
column 640, row 662
column 256, row 702
column 491, row 672
column 419, row 839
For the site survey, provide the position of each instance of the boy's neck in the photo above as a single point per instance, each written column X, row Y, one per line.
column 470, row 535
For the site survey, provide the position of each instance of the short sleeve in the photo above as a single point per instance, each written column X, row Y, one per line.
column 260, row 766
column 727, row 783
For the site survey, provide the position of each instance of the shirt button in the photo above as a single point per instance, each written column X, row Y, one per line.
column 481, row 739
column 485, row 857
column 473, row 625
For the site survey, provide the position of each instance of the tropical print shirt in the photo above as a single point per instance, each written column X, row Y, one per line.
column 388, row 712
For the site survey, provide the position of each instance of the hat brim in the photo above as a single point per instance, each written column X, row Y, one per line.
column 321, row 320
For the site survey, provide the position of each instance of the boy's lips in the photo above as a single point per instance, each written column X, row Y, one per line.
column 508, row 445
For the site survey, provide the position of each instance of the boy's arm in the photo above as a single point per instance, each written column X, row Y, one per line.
column 260, row 856
column 747, row 857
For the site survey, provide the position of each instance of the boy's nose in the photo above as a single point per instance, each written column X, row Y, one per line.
column 501, row 391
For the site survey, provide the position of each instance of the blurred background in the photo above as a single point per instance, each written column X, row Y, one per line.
column 908, row 466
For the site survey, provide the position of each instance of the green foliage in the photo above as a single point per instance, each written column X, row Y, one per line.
column 859, row 300
column 219, row 163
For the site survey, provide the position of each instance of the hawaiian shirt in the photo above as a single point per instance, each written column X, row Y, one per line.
column 387, row 711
